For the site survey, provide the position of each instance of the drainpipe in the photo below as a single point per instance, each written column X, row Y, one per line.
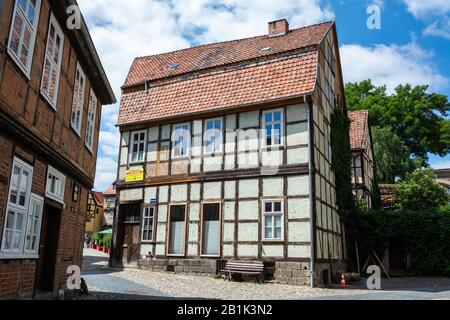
column 306, row 99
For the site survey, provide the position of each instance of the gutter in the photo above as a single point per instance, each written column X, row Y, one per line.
column 307, row 99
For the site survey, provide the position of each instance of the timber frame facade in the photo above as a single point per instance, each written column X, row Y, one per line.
column 47, row 167
column 257, row 200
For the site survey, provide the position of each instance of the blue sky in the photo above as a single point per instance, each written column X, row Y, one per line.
column 412, row 45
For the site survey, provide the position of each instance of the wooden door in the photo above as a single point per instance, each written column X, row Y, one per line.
column 130, row 226
column 45, row 273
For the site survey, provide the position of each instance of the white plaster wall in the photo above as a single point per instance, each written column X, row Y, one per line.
column 131, row 195
column 248, row 210
column 249, row 119
column 194, row 212
column 248, row 160
column 163, row 194
column 230, row 189
column 161, row 232
column 179, row 192
column 212, row 191
column 228, row 250
column 273, row 251
column 231, row 121
column 153, row 134
column 193, row 232
column 299, row 251
column 297, row 134
column 195, row 192
column 124, row 139
column 299, row 232
column 146, row 249
column 248, row 188
column 299, row 208
column 228, row 232
column 298, row 185
column 248, row 231
column 273, row 187
column 122, row 172
column 245, row 250
column 162, row 213
column 211, row 164
column 197, row 127
column 272, row 158
column 193, row 250
column 149, row 193
column 230, row 160
column 123, row 156
column 297, row 156
column 229, row 210
column 298, row 112
column 196, row 149
column 160, row 250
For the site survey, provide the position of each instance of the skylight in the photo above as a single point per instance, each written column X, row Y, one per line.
column 174, row 66
column 266, row 49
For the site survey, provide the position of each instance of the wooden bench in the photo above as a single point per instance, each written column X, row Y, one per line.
column 256, row 269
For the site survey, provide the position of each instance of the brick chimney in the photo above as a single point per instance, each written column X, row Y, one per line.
column 278, row 28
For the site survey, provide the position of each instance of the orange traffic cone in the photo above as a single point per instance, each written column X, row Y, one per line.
column 343, row 282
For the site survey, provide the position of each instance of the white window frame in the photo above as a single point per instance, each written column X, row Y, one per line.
column 76, row 99
column 58, row 197
column 153, row 224
column 90, row 121
column 174, row 138
column 272, row 215
column 273, row 123
column 40, row 201
column 33, row 28
column 53, row 65
column 208, row 134
column 133, row 143
column 16, row 208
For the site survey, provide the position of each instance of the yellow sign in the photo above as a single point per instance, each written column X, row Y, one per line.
column 134, row 175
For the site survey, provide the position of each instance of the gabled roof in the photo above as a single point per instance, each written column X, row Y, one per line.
column 359, row 129
column 221, row 76
column 110, row 191
column 98, row 198
column 218, row 54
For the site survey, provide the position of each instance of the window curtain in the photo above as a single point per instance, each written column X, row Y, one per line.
column 211, row 237
column 176, row 237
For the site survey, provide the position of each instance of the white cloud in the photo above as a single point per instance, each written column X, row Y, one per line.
column 391, row 65
column 439, row 28
column 443, row 164
column 123, row 30
column 421, row 8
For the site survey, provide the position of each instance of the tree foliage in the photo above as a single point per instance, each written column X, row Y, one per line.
column 420, row 191
column 392, row 156
column 413, row 114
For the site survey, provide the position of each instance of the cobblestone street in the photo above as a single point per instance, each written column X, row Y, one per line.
column 132, row 284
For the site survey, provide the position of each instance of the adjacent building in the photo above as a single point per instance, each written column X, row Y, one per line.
column 95, row 219
column 363, row 161
column 52, row 88
column 110, row 205
column 225, row 155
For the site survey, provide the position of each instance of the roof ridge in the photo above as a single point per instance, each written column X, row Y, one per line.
column 228, row 41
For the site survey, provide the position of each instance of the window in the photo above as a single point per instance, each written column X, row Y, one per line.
column 17, row 207
column 34, row 225
column 181, row 140
column 90, row 126
column 75, row 192
column 326, row 135
column 52, row 65
column 23, row 33
column 273, row 220
column 213, row 136
column 78, row 99
column 137, row 145
column 273, row 127
column 148, row 223
column 211, row 229
column 177, row 230
column 56, row 183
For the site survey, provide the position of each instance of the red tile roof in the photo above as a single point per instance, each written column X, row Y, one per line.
column 111, row 191
column 98, row 198
column 251, row 84
column 223, row 53
column 359, row 128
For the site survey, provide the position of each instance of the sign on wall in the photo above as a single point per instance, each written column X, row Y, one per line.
column 134, row 175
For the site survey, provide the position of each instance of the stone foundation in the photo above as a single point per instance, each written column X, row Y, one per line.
column 196, row 266
column 293, row 273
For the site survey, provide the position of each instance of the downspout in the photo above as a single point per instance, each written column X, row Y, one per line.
column 306, row 99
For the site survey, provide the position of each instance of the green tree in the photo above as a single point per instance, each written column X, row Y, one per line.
column 420, row 191
column 392, row 156
column 413, row 114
